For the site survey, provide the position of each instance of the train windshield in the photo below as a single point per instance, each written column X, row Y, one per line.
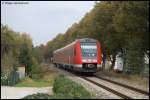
column 89, row 49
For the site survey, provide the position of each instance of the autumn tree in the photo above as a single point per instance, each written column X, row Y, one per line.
column 132, row 22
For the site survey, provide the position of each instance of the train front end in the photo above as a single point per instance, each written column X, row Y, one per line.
column 89, row 55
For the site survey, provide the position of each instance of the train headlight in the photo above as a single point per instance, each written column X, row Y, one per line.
column 84, row 60
column 94, row 60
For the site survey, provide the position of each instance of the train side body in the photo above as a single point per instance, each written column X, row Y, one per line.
column 83, row 55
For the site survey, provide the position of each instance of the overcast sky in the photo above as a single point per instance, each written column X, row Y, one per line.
column 43, row 20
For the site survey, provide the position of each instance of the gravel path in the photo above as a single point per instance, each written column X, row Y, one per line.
column 8, row 92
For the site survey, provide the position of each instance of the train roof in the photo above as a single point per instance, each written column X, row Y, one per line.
column 64, row 47
column 87, row 40
column 81, row 40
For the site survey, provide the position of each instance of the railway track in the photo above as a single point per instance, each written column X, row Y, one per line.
column 126, row 86
column 108, row 89
column 121, row 90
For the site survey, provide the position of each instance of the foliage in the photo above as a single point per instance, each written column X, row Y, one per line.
column 115, row 24
column 133, row 57
column 25, row 57
column 36, row 71
column 17, row 49
column 63, row 88
column 38, row 96
column 38, row 53
column 16, row 46
column 46, row 80
column 9, row 41
column 4, row 81
column 66, row 88
column 8, row 64
column 132, row 24
column 28, row 82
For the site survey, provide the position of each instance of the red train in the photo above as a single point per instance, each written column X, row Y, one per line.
column 82, row 55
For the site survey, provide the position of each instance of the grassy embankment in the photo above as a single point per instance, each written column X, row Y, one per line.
column 44, row 82
column 47, row 80
column 64, row 88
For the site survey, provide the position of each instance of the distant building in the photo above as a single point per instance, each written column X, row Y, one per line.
column 21, row 71
column 119, row 62
column 107, row 64
column 146, row 59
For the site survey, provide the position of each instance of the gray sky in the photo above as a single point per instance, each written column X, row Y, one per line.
column 43, row 20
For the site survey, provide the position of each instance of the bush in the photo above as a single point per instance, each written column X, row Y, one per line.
column 38, row 96
column 65, row 88
column 37, row 71
column 4, row 78
column 4, row 81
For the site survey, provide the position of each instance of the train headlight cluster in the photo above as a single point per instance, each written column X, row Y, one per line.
column 84, row 60
column 89, row 60
column 94, row 60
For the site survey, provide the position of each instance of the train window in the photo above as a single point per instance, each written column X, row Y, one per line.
column 89, row 49
column 74, row 51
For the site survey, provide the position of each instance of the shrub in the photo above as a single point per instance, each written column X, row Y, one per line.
column 4, row 81
column 65, row 88
column 37, row 71
column 38, row 96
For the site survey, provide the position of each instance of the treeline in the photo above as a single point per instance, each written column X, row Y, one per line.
column 17, row 50
column 120, row 26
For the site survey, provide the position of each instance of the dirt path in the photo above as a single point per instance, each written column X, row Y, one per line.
column 8, row 92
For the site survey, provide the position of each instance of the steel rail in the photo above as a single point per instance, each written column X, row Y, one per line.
column 123, row 85
column 108, row 89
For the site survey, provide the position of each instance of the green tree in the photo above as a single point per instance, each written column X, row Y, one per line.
column 132, row 22
column 38, row 53
column 25, row 57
